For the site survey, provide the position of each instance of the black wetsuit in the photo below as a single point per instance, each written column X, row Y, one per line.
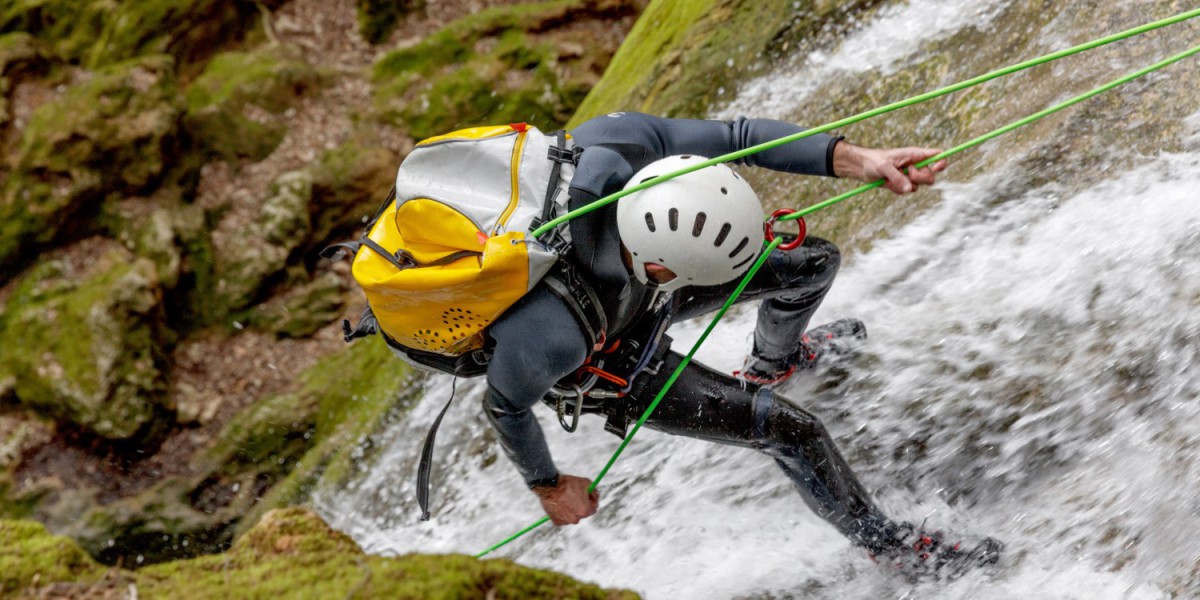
column 538, row 341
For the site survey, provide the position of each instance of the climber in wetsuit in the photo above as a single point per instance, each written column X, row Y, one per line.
column 641, row 287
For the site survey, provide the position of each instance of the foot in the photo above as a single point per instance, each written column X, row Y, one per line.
column 829, row 339
column 921, row 554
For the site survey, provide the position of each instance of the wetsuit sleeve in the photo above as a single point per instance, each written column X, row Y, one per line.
column 537, row 342
column 640, row 139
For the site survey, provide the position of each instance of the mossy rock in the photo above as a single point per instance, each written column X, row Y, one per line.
column 301, row 311
column 91, row 351
column 349, row 184
column 269, row 79
column 112, row 133
column 96, row 33
column 21, row 55
column 681, row 58
column 503, row 64
column 349, row 397
column 377, row 18
column 29, row 555
column 290, row 553
column 249, row 258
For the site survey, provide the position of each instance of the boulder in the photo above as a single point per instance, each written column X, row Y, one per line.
column 91, row 344
column 248, row 258
column 234, row 106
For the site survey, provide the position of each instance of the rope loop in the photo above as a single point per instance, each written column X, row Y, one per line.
column 769, row 229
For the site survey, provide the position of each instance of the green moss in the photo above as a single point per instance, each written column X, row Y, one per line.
column 289, row 554
column 661, row 30
column 91, row 352
column 22, row 55
column 293, row 553
column 29, row 555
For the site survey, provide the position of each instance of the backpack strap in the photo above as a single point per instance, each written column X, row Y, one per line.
column 558, row 154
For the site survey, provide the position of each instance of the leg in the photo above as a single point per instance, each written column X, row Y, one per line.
column 791, row 285
column 707, row 405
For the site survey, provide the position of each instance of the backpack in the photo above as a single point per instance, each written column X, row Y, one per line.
column 449, row 251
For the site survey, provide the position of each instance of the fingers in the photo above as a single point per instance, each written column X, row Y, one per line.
column 913, row 177
column 895, row 180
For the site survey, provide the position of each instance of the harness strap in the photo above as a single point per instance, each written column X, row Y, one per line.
column 579, row 296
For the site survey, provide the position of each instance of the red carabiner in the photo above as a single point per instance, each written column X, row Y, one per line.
column 769, row 229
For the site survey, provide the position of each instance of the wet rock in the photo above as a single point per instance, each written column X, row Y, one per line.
column 91, row 345
column 112, row 133
column 234, row 106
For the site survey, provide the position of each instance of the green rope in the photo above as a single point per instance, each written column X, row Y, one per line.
column 866, row 115
column 762, row 259
column 770, row 247
column 1001, row 131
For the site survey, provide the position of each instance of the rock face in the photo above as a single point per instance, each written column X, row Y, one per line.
column 111, row 133
column 288, row 552
column 168, row 172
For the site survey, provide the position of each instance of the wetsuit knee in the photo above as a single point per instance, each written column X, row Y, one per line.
column 784, row 425
column 816, row 262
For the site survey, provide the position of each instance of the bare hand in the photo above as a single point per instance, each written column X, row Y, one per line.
column 894, row 165
column 569, row 502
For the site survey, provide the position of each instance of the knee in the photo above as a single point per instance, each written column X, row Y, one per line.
column 778, row 421
column 817, row 260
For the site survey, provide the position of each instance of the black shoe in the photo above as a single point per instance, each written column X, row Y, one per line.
column 921, row 554
column 829, row 339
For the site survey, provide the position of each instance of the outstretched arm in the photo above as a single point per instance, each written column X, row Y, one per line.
column 538, row 342
column 895, row 165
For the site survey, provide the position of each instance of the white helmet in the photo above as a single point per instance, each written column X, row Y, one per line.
column 706, row 226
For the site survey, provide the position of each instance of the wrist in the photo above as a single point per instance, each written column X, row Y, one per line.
column 847, row 160
column 545, row 483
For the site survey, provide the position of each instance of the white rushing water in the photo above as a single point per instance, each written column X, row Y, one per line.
column 1029, row 376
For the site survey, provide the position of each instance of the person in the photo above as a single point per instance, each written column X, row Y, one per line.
column 542, row 352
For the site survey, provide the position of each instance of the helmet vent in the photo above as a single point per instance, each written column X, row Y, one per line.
column 725, row 191
column 650, row 222
column 724, row 233
column 740, row 245
column 744, row 261
column 673, row 219
column 698, row 226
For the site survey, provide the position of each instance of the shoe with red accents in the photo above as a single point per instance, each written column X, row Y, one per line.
column 921, row 554
column 834, row 338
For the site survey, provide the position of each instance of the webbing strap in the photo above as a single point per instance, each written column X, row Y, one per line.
column 426, row 464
